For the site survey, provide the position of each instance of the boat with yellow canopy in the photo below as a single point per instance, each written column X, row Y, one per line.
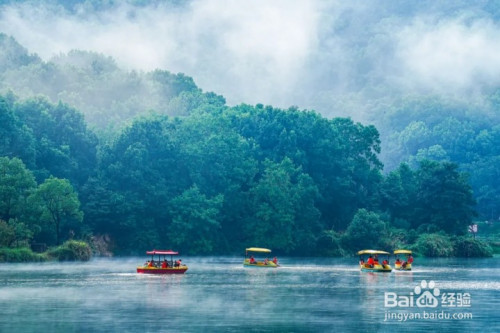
column 372, row 264
column 250, row 261
column 162, row 266
column 403, row 265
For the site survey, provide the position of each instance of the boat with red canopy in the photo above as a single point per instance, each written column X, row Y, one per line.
column 162, row 266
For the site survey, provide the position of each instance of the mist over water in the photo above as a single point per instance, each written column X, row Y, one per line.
column 220, row 295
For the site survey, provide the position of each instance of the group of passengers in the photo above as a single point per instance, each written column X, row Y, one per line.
column 163, row 264
column 372, row 261
column 252, row 261
column 404, row 263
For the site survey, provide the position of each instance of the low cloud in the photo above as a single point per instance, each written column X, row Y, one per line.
column 309, row 53
column 450, row 55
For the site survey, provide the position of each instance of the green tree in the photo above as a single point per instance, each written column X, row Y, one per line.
column 366, row 231
column 195, row 225
column 444, row 197
column 58, row 203
column 283, row 208
column 16, row 139
column 7, row 234
column 16, row 184
column 64, row 147
column 22, row 233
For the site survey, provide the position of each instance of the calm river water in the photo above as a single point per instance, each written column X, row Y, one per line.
column 219, row 295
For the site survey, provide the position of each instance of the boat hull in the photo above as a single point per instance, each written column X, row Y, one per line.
column 260, row 264
column 154, row 270
column 401, row 268
column 376, row 268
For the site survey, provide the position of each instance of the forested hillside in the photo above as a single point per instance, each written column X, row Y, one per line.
column 148, row 160
column 218, row 180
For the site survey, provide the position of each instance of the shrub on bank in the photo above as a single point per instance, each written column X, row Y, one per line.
column 71, row 251
column 22, row 254
column 434, row 245
column 468, row 247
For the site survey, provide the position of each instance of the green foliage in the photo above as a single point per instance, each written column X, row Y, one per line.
column 16, row 139
column 217, row 177
column 71, row 251
column 16, row 184
column 21, row 255
column 7, row 234
column 283, row 211
column 195, row 224
column 431, row 198
column 58, row 203
column 398, row 238
column 63, row 145
column 434, row 245
column 468, row 247
column 444, row 198
column 330, row 244
column 22, row 233
column 366, row 231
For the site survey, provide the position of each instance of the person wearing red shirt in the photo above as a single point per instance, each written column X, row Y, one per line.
column 370, row 261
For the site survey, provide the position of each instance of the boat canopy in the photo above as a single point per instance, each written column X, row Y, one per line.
column 166, row 252
column 372, row 252
column 402, row 252
column 258, row 249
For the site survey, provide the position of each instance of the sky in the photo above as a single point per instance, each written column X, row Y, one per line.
column 321, row 55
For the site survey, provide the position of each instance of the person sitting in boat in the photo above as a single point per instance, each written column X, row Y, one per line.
column 370, row 261
column 252, row 260
column 361, row 262
column 275, row 260
column 164, row 264
column 375, row 260
column 409, row 261
column 266, row 261
column 385, row 262
column 398, row 261
column 150, row 263
column 178, row 263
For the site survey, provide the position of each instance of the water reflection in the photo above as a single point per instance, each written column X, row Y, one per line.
column 218, row 294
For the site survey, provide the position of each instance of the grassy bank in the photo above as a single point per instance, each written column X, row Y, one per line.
column 69, row 251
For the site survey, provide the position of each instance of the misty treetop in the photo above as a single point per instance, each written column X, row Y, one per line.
column 93, row 83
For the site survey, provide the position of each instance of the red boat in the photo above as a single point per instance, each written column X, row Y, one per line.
column 162, row 266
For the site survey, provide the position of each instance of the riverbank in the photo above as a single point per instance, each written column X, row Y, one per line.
column 428, row 245
column 69, row 251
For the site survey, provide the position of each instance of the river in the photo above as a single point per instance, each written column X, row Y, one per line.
column 217, row 294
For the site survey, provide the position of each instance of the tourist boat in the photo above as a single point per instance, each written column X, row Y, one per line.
column 251, row 262
column 377, row 266
column 162, row 266
column 403, row 265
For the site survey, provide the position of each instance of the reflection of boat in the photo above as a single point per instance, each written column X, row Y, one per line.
column 162, row 266
column 251, row 262
column 403, row 265
column 372, row 264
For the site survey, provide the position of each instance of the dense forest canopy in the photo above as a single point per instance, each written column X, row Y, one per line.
column 216, row 180
column 148, row 158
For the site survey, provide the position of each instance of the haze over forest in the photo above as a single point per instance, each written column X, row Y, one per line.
column 425, row 74
column 335, row 57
